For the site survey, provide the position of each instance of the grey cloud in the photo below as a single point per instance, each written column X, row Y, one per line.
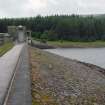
column 22, row 8
column 12, row 8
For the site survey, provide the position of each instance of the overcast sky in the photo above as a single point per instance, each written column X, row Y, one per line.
column 27, row 8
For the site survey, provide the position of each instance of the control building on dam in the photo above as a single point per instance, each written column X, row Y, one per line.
column 19, row 33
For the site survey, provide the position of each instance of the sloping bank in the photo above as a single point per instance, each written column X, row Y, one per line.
column 61, row 81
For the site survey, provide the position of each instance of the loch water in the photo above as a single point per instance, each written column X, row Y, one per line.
column 94, row 56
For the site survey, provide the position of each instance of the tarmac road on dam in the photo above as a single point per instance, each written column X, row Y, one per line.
column 15, row 77
column 7, row 65
column 21, row 89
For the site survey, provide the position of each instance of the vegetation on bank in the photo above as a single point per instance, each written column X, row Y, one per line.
column 70, row 44
column 59, row 81
column 5, row 47
column 64, row 27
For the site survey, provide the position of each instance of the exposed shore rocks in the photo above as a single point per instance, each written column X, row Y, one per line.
column 61, row 81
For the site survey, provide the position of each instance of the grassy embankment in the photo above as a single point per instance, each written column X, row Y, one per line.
column 60, row 81
column 69, row 44
column 5, row 47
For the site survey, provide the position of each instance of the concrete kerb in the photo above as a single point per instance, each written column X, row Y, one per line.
column 8, row 64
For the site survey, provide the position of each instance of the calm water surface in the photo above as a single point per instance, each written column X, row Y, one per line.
column 89, row 55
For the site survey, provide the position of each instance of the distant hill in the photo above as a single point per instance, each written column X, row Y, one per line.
column 95, row 15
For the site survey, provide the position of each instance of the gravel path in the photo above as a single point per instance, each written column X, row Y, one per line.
column 21, row 90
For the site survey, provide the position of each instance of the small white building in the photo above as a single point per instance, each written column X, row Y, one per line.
column 2, row 38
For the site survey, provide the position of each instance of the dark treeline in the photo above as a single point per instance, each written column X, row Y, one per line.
column 74, row 28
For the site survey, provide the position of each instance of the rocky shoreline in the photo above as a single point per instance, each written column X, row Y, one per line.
column 60, row 81
column 97, row 68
